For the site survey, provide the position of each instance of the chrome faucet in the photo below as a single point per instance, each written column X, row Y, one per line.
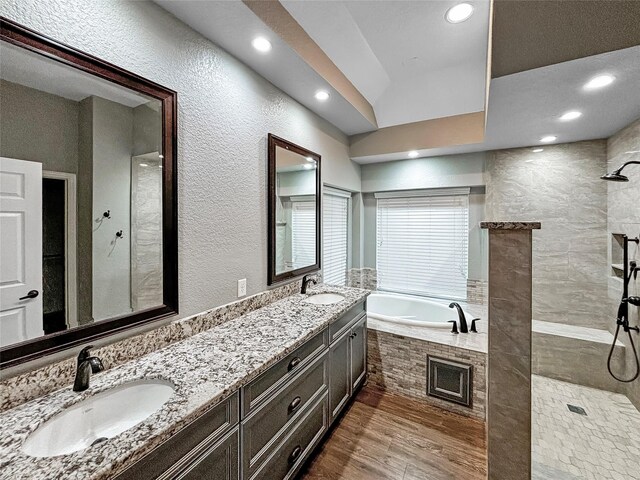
column 86, row 366
column 462, row 319
column 305, row 282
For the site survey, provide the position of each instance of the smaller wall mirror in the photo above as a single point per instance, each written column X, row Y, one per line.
column 294, row 210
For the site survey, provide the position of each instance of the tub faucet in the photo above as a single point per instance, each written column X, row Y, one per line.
column 461, row 318
column 305, row 282
column 86, row 366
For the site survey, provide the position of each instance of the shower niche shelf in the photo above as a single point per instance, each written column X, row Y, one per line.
column 617, row 253
column 617, row 247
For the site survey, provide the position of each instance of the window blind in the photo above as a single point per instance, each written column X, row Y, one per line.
column 335, row 228
column 303, row 233
column 422, row 245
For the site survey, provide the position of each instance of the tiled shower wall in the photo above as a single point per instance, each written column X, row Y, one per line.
column 624, row 217
column 561, row 187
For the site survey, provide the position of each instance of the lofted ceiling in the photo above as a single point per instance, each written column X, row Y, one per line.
column 401, row 78
column 524, row 107
column 406, row 59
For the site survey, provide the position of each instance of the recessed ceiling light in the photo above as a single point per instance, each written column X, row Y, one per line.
column 144, row 165
column 261, row 44
column 548, row 139
column 322, row 95
column 599, row 82
column 537, row 150
column 413, row 154
column 309, row 159
column 308, row 166
column 459, row 13
column 571, row 115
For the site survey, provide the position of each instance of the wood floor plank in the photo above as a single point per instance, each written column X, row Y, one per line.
column 387, row 437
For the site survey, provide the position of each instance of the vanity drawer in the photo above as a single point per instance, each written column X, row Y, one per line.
column 209, row 427
column 263, row 427
column 286, row 459
column 337, row 328
column 259, row 389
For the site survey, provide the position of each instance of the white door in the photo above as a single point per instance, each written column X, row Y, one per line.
column 20, row 250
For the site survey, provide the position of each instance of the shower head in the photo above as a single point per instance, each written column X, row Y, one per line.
column 616, row 176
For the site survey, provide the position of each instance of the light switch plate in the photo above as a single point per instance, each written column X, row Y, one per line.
column 242, row 287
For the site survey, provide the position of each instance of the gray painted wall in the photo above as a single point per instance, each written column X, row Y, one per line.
column 624, row 217
column 465, row 170
column 560, row 187
column 225, row 112
column 147, row 128
column 43, row 127
column 112, row 147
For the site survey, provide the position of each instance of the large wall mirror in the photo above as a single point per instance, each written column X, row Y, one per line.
column 87, row 197
column 294, row 210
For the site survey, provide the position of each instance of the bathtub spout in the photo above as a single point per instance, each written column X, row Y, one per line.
column 461, row 317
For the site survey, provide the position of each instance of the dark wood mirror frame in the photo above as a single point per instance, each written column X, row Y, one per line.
column 274, row 142
column 21, row 36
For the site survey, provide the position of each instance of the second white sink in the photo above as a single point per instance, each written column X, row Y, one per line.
column 324, row 298
column 98, row 418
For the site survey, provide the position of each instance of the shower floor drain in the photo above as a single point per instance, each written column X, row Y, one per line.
column 575, row 409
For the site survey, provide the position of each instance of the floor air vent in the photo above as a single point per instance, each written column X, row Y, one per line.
column 449, row 380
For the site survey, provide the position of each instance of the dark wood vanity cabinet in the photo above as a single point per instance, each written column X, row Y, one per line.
column 208, row 444
column 348, row 360
column 271, row 426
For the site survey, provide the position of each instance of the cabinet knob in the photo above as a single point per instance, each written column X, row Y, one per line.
column 295, row 453
column 294, row 363
column 295, row 403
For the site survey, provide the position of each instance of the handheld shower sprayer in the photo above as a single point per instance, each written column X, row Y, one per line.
column 630, row 269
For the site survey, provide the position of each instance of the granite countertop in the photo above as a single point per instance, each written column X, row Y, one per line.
column 204, row 368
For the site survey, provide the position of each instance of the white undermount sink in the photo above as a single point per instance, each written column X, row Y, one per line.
column 98, row 418
column 324, row 298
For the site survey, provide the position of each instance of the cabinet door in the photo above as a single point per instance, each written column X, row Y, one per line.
column 220, row 462
column 358, row 339
column 339, row 375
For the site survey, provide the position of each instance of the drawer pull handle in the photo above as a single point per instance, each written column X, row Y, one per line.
column 295, row 403
column 294, row 363
column 295, row 454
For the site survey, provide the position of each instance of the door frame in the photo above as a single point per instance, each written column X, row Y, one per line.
column 70, row 242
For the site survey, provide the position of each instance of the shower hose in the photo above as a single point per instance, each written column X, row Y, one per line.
column 635, row 353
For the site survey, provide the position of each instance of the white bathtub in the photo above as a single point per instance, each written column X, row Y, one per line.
column 414, row 311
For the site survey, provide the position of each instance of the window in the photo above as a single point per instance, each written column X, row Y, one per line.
column 303, row 236
column 422, row 242
column 335, row 236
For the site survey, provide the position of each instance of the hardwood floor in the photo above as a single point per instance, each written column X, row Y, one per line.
column 383, row 436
